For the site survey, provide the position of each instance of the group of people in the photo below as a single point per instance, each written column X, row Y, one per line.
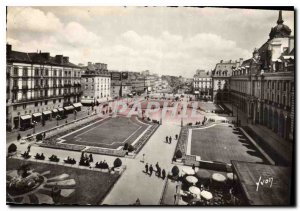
column 101, row 165
column 70, row 160
column 40, row 156
column 54, row 158
column 26, row 155
column 85, row 159
column 160, row 173
column 169, row 139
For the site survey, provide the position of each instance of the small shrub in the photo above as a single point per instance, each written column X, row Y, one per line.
column 178, row 154
column 175, row 171
column 125, row 146
column 130, row 148
column 117, row 163
column 12, row 148
column 39, row 137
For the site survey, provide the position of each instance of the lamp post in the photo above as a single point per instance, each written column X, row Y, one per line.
column 34, row 123
column 75, row 114
column 57, row 119
column 237, row 114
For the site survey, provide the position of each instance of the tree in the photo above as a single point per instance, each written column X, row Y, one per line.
column 12, row 148
column 178, row 154
column 117, row 163
column 125, row 146
column 130, row 148
column 39, row 137
column 175, row 171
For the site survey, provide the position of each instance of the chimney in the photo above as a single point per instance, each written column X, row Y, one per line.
column 59, row 59
column 66, row 59
column 241, row 61
column 46, row 55
column 8, row 50
column 221, row 61
column 291, row 43
column 98, row 66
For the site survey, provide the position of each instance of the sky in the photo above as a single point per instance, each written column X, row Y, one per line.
column 164, row 40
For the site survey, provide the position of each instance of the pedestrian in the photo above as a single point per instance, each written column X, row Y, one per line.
column 44, row 135
column 150, row 170
column 170, row 139
column 19, row 136
column 158, row 172
column 157, row 166
column 28, row 148
column 146, row 168
column 193, row 167
column 167, row 139
column 163, row 174
column 176, row 136
column 91, row 158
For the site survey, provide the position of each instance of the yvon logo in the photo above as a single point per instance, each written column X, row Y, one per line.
column 264, row 182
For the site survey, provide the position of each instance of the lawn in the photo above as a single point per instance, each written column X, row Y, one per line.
column 111, row 133
column 78, row 186
column 221, row 143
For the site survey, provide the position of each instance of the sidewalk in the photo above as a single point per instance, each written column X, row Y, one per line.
column 278, row 144
column 134, row 183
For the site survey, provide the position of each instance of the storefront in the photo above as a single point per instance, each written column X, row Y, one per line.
column 54, row 113
column 77, row 106
column 25, row 122
column 87, row 102
column 46, row 115
column 69, row 109
column 37, row 117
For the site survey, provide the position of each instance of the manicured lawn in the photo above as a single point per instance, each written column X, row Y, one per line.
column 221, row 143
column 111, row 133
column 79, row 186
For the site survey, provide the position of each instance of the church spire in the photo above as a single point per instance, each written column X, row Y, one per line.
column 280, row 20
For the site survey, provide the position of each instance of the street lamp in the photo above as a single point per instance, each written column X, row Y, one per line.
column 34, row 123
column 237, row 114
column 57, row 119
column 75, row 114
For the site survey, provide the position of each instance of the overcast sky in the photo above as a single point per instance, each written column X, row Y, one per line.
column 174, row 41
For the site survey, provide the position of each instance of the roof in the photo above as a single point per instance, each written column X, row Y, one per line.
column 276, row 191
column 36, row 58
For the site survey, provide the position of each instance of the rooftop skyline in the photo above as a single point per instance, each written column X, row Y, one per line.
column 169, row 41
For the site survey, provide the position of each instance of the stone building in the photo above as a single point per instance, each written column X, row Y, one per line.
column 263, row 86
column 39, row 87
column 221, row 80
column 202, row 85
column 95, row 82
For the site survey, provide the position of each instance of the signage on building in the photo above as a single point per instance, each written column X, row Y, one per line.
column 115, row 76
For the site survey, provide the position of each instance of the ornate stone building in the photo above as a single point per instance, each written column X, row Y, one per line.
column 202, row 85
column 263, row 86
column 38, row 87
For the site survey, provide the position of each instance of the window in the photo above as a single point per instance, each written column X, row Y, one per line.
column 25, row 71
column 36, row 71
column 46, row 102
column 86, row 80
column 46, row 72
column 54, row 72
column 36, row 104
column 16, row 71
column 15, row 107
column 24, row 106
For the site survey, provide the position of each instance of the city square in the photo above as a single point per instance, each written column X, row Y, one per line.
column 91, row 134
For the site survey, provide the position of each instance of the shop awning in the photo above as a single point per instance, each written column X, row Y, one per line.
column 68, row 108
column 54, row 110
column 37, row 114
column 76, row 105
column 87, row 101
column 25, row 117
column 102, row 100
column 60, row 109
column 46, row 112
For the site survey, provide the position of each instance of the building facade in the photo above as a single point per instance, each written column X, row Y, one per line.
column 263, row 87
column 202, row 85
column 39, row 87
column 96, row 84
column 221, row 80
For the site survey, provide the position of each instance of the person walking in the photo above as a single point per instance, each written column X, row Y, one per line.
column 167, row 139
column 193, row 167
column 150, row 170
column 19, row 136
column 158, row 172
column 28, row 148
column 170, row 140
column 163, row 174
column 146, row 168
column 91, row 158
column 157, row 166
